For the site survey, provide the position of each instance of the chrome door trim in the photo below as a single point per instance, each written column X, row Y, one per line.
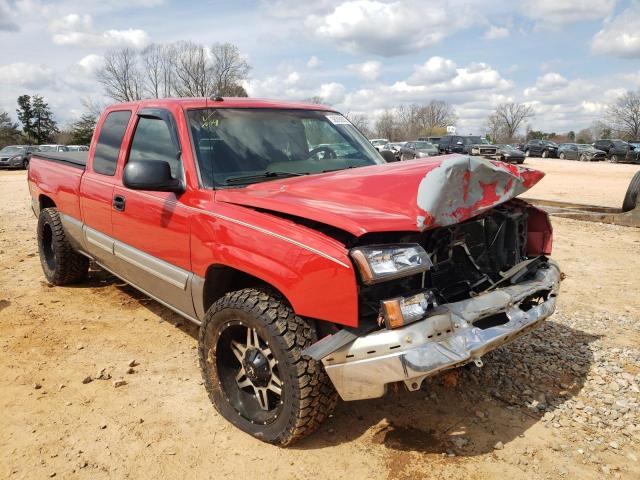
column 150, row 264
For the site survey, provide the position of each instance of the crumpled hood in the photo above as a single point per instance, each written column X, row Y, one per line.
column 402, row 196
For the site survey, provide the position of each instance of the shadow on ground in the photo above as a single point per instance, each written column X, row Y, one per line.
column 465, row 412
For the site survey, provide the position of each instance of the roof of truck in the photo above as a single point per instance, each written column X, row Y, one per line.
column 224, row 102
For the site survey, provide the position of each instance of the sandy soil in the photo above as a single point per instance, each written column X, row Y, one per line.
column 592, row 183
column 161, row 424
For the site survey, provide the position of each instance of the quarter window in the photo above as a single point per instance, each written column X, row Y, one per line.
column 107, row 150
column 152, row 141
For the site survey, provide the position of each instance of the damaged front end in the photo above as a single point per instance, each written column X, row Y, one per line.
column 447, row 297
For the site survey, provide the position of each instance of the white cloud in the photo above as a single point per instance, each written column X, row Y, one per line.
column 620, row 36
column 388, row 29
column 27, row 75
column 91, row 63
column 369, row 70
column 7, row 23
column 495, row 33
column 436, row 69
column 332, row 93
column 553, row 13
column 313, row 62
column 78, row 30
column 111, row 38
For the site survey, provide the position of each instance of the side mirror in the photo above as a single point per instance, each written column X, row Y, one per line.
column 388, row 156
column 150, row 175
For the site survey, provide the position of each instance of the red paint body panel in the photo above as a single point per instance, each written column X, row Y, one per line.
column 202, row 228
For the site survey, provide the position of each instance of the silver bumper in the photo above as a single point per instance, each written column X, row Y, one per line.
column 446, row 339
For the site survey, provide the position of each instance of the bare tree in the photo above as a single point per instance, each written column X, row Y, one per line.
column 435, row 115
column 120, row 75
column 624, row 115
column 229, row 69
column 494, row 128
column 510, row 117
column 386, row 125
column 360, row 121
column 193, row 72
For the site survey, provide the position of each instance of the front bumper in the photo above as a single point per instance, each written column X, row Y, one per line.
column 444, row 340
column 11, row 162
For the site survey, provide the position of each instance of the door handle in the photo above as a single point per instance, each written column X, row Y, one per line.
column 118, row 202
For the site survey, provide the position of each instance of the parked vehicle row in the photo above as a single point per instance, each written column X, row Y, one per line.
column 580, row 151
column 19, row 156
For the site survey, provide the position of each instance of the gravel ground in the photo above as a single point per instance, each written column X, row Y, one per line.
column 100, row 382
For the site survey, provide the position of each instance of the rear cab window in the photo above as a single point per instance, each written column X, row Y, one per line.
column 105, row 157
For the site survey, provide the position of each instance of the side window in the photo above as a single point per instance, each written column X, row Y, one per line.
column 107, row 150
column 152, row 141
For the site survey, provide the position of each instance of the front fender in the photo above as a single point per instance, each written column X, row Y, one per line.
column 311, row 270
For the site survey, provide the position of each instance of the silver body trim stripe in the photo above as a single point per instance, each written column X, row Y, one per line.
column 98, row 239
column 150, row 264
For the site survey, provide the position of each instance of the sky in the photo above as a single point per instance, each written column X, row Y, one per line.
column 566, row 58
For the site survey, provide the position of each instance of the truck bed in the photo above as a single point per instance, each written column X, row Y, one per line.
column 73, row 159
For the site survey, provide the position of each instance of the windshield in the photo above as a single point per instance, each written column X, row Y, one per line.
column 378, row 142
column 12, row 149
column 551, row 144
column 505, row 146
column 471, row 140
column 266, row 143
column 585, row 146
column 423, row 146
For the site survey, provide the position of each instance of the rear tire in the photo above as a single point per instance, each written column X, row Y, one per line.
column 563, row 156
column 25, row 164
column 545, row 154
column 633, row 192
column 274, row 393
column 583, row 158
column 61, row 264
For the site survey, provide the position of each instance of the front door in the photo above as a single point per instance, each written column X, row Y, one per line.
column 151, row 228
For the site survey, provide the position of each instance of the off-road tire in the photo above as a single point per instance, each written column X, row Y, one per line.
column 61, row 264
column 308, row 395
column 633, row 192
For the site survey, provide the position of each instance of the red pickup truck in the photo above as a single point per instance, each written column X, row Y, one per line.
column 313, row 267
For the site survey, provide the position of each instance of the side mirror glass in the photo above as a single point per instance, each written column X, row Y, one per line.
column 388, row 156
column 150, row 175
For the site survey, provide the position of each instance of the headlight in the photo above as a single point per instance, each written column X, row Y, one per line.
column 378, row 263
column 398, row 312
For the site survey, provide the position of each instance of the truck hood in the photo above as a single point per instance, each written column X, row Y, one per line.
column 400, row 196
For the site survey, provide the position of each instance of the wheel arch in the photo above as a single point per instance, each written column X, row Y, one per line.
column 44, row 201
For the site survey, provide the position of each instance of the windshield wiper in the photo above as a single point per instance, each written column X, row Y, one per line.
column 261, row 176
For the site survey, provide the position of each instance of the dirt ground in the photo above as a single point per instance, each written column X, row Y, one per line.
column 591, row 183
column 161, row 424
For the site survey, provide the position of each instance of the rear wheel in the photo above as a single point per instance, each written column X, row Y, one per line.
column 545, row 154
column 613, row 159
column 61, row 264
column 250, row 355
column 583, row 158
column 633, row 192
column 562, row 156
column 25, row 164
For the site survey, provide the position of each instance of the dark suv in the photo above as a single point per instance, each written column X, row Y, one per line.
column 459, row 143
column 618, row 151
column 541, row 148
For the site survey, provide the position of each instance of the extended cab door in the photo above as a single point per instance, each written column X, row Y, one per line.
column 96, row 187
column 151, row 228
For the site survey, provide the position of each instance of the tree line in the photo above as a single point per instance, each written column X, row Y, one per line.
column 179, row 69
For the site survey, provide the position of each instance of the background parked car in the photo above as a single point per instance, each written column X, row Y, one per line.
column 379, row 142
column 618, row 151
column 434, row 140
column 459, row 143
column 53, row 148
column 394, row 147
column 16, row 156
column 416, row 149
column 541, row 148
column 509, row 153
column 580, row 151
column 78, row 148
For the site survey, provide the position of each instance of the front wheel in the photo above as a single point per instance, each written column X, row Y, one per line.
column 527, row 153
column 563, row 156
column 613, row 159
column 583, row 158
column 545, row 154
column 250, row 348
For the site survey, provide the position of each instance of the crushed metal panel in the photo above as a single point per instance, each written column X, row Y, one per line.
column 464, row 186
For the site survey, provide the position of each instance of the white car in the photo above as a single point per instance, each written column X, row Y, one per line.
column 379, row 142
column 53, row 148
column 77, row 148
